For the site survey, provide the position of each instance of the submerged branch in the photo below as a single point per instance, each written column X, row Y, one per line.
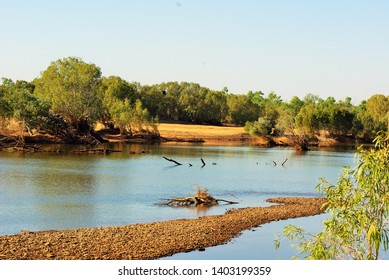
column 172, row 160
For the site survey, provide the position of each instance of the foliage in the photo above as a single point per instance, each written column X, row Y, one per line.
column 72, row 88
column 76, row 92
column 132, row 119
column 374, row 114
column 19, row 103
column 259, row 128
column 336, row 118
column 240, row 109
column 295, row 105
column 112, row 89
column 359, row 209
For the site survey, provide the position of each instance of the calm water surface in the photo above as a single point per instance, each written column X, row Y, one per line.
column 44, row 191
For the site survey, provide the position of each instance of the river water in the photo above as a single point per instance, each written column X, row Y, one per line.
column 48, row 191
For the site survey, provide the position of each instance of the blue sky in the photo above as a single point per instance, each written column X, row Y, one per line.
column 329, row 48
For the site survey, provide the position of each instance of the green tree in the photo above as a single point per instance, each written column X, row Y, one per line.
column 295, row 105
column 155, row 99
column 240, row 109
column 359, row 209
column 341, row 121
column 168, row 96
column 215, row 107
column 308, row 120
column 132, row 119
column 113, row 89
column 378, row 106
column 312, row 98
column 372, row 115
column 5, row 88
column 256, row 98
column 22, row 105
column 285, row 123
column 121, row 115
column 191, row 101
column 72, row 88
column 271, row 108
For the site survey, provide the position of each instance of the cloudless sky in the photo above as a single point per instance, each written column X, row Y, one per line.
column 333, row 48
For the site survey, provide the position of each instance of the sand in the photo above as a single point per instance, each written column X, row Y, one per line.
column 151, row 240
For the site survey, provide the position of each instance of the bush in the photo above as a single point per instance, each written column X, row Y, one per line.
column 258, row 128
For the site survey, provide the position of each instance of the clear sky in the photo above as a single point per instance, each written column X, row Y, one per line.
column 292, row 47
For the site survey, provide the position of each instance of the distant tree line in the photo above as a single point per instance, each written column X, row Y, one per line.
column 74, row 92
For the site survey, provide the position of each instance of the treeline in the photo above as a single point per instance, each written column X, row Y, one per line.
column 73, row 94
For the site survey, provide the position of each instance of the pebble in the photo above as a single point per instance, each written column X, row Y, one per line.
column 152, row 240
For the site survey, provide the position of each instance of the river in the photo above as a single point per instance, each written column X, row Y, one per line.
column 51, row 191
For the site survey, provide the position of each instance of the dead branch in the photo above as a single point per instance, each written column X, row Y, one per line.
column 202, row 197
column 284, row 161
column 172, row 160
column 203, row 162
column 227, row 201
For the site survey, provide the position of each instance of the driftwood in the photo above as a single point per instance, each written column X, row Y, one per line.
column 284, row 161
column 24, row 149
column 172, row 160
column 201, row 197
column 96, row 151
column 203, row 163
column 300, row 142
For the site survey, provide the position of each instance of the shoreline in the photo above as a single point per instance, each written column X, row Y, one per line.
column 152, row 240
column 176, row 133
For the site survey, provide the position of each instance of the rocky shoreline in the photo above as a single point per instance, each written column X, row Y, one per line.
column 152, row 240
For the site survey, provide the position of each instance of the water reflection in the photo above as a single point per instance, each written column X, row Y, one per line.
column 198, row 210
column 66, row 190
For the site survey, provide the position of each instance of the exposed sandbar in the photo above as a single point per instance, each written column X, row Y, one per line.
column 152, row 240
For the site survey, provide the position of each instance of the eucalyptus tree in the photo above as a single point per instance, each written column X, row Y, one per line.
column 215, row 107
column 71, row 86
column 19, row 102
column 114, row 89
column 358, row 227
column 241, row 109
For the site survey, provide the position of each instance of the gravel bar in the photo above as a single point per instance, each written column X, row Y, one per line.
column 151, row 240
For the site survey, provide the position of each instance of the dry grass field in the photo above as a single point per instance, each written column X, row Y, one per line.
column 185, row 131
column 212, row 135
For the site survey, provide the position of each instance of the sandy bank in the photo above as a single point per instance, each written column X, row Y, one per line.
column 152, row 240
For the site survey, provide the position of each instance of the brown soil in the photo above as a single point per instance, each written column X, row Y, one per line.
column 183, row 133
column 153, row 240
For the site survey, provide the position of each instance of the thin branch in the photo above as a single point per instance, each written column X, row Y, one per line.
column 227, row 201
column 172, row 160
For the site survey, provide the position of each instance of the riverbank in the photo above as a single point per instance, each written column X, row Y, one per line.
column 190, row 133
column 152, row 240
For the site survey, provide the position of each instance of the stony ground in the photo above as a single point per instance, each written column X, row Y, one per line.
column 152, row 240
